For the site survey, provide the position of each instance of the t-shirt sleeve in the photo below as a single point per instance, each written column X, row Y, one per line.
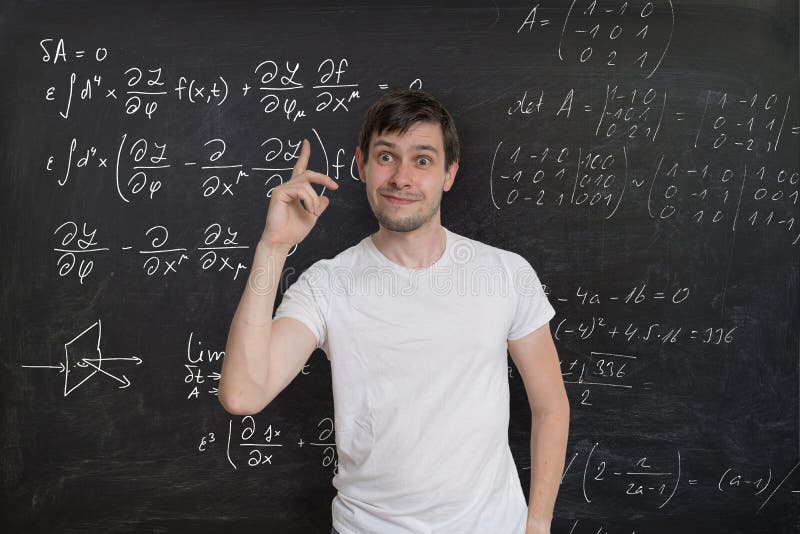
column 532, row 307
column 304, row 300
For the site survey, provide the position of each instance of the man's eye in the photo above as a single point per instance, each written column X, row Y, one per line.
column 423, row 161
column 384, row 156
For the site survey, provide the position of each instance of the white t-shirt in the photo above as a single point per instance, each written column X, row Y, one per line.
column 420, row 384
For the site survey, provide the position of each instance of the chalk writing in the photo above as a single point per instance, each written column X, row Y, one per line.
column 83, row 359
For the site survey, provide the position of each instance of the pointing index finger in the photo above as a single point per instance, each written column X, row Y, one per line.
column 302, row 160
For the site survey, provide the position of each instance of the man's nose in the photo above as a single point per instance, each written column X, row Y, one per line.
column 403, row 175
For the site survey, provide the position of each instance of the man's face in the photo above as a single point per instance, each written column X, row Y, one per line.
column 410, row 167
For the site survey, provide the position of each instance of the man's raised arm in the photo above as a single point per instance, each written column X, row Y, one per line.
column 262, row 356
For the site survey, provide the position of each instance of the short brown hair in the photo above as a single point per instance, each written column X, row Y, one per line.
column 398, row 109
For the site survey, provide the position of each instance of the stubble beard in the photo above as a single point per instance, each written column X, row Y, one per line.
column 407, row 223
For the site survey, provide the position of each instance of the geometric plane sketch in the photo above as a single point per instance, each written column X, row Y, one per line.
column 83, row 359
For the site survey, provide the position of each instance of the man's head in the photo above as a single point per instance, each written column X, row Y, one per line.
column 408, row 148
column 398, row 109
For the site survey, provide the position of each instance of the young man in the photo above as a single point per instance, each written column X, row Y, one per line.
column 416, row 321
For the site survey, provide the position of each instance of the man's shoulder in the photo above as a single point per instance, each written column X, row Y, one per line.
column 348, row 257
column 466, row 249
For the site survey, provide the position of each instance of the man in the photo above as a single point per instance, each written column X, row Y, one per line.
column 415, row 321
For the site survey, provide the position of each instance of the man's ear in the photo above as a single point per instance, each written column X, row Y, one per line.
column 450, row 176
column 360, row 165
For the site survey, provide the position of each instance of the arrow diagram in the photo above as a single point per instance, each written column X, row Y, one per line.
column 83, row 359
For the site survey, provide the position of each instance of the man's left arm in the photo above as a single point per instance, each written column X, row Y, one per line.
column 536, row 360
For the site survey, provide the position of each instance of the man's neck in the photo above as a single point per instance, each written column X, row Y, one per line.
column 414, row 250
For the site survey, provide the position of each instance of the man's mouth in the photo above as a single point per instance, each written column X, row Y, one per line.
column 398, row 200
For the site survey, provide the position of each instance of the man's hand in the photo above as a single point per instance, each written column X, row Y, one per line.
column 289, row 221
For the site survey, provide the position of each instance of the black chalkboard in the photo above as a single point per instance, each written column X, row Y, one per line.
column 643, row 156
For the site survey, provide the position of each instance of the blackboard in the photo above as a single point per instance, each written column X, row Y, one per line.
column 643, row 156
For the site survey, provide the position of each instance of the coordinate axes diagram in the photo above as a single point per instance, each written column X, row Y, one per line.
column 83, row 359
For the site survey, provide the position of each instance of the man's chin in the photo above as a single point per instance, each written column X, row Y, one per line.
column 398, row 225
column 394, row 227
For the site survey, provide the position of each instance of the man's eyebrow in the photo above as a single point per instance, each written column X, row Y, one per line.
column 384, row 143
column 426, row 147
column 389, row 144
